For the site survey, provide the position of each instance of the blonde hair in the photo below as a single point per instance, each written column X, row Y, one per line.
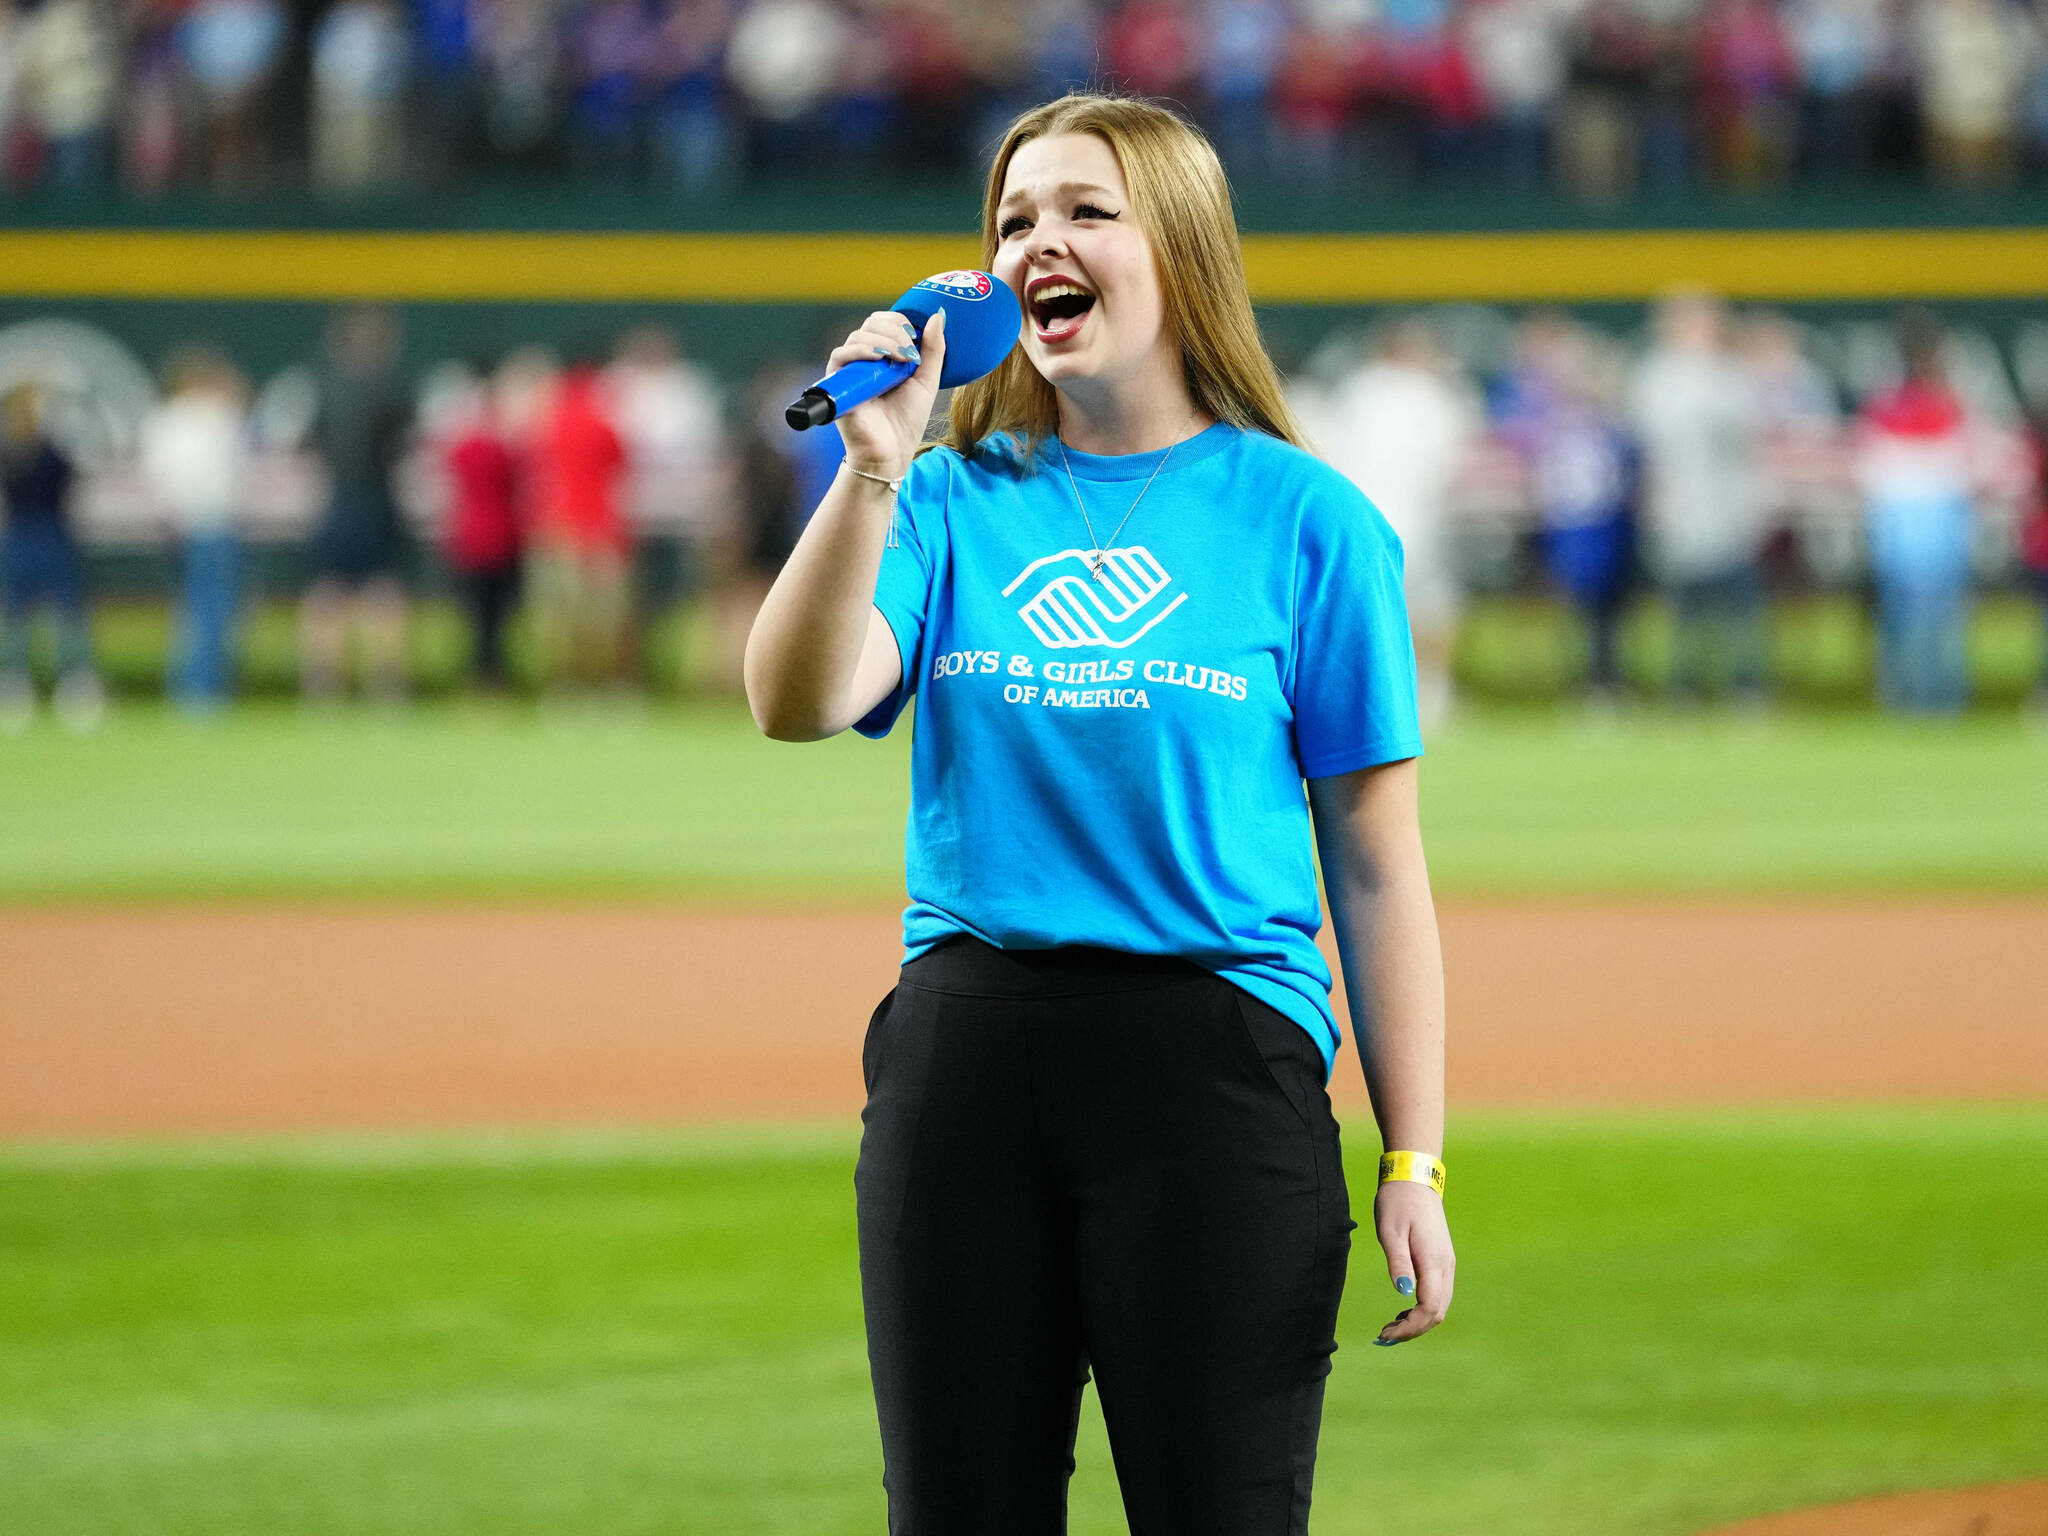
column 1182, row 202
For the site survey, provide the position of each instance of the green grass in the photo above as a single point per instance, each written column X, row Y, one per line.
column 1661, row 1323
column 511, row 800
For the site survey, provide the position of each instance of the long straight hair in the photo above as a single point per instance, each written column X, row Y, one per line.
column 1182, row 202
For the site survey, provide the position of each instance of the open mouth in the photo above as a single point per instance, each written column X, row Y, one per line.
column 1059, row 310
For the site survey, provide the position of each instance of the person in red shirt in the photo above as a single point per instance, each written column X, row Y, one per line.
column 484, row 535
column 1917, row 465
column 579, row 558
column 2034, row 527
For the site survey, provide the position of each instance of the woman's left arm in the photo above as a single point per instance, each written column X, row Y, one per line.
column 1369, row 838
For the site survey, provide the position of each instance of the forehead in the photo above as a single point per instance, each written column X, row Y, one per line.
column 1039, row 167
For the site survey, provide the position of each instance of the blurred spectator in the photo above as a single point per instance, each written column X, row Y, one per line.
column 40, row 565
column 1149, row 47
column 18, row 150
column 997, row 36
column 1606, row 98
column 814, row 457
column 1065, row 58
column 1247, row 42
column 1309, row 381
column 1517, row 49
column 232, row 51
column 694, row 145
column 783, row 60
column 931, row 75
column 153, row 137
column 671, row 419
column 361, row 53
column 1793, row 394
column 1801, row 475
column 523, row 395
column 1671, row 107
column 1434, row 89
column 519, row 58
column 194, row 453
column 1702, row 527
column 357, row 553
column 1975, row 58
column 578, row 554
column 445, row 93
column 769, row 520
column 864, row 127
column 1747, row 80
column 1560, row 411
column 1400, row 427
column 1837, row 45
column 607, row 53
column 70, row 75
column 1914, row 466
column 2034, row 533
column 483, row 530
column 1614, row 56
column 2034, row 109
column 1313, row 96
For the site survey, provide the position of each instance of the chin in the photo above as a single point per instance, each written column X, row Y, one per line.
column 1058, row 367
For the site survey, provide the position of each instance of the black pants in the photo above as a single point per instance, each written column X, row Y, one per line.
column 1074, row 1158
column 491, row 594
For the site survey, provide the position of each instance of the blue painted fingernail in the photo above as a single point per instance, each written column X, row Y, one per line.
column 1386, row 1343
column 1405, row 1285
column 909, row 355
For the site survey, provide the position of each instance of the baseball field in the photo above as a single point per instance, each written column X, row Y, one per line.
column 444, row 1122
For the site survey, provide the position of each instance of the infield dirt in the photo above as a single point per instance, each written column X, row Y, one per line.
column 184, row 1019
column 2009, row 1509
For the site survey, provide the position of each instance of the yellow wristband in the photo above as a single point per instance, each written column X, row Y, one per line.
column 1412, row 1167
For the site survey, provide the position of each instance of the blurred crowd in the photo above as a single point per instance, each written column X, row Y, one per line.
column 1601, row 98
column 525, row 484
column 1716, row 462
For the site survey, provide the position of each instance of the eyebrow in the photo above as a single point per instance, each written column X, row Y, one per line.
column 1065, row 186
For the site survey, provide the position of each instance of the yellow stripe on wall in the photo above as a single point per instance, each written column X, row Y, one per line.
column 863, row 268
column 1768, row 264
column 218, row 264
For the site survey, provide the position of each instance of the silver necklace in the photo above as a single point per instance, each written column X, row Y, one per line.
column 1098, row 554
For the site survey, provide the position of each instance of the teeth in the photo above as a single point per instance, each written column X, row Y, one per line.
column 1059, row 291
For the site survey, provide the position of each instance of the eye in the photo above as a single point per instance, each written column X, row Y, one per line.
column 1011, row 225
column 1090, row 211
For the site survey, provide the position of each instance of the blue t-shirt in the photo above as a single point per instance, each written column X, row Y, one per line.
column 1118, row 760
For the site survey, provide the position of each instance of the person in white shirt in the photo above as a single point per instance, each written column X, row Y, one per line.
column 194, row 457
column 1696, row 412
column 1399, row 429
column 670, row 412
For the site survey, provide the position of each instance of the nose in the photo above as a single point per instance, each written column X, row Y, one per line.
column 1047, row 242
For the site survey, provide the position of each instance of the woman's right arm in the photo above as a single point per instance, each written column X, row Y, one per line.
column 820, row 656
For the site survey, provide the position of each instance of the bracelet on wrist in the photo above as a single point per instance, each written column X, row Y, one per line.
column 890, row 541
column 878, row 479
column 1412, row 1168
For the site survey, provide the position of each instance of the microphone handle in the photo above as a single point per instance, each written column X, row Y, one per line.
column 841, row 391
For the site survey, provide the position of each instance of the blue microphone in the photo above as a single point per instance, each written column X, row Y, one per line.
column 983, row 319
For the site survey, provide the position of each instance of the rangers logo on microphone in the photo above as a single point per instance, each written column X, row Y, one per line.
column 964, row 285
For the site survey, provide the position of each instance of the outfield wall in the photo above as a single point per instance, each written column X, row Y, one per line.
column 774, row 271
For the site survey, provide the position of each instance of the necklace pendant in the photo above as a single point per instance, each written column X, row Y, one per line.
column 1095, row 558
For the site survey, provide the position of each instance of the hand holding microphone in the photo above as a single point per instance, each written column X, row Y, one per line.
column 882, row 433
column 900, row 359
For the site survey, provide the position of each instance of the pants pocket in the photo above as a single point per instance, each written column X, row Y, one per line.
column 873, row 1040
column 1279, row 1046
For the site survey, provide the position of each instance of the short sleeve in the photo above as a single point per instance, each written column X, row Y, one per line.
column 903, row 586
column 1354, row 658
